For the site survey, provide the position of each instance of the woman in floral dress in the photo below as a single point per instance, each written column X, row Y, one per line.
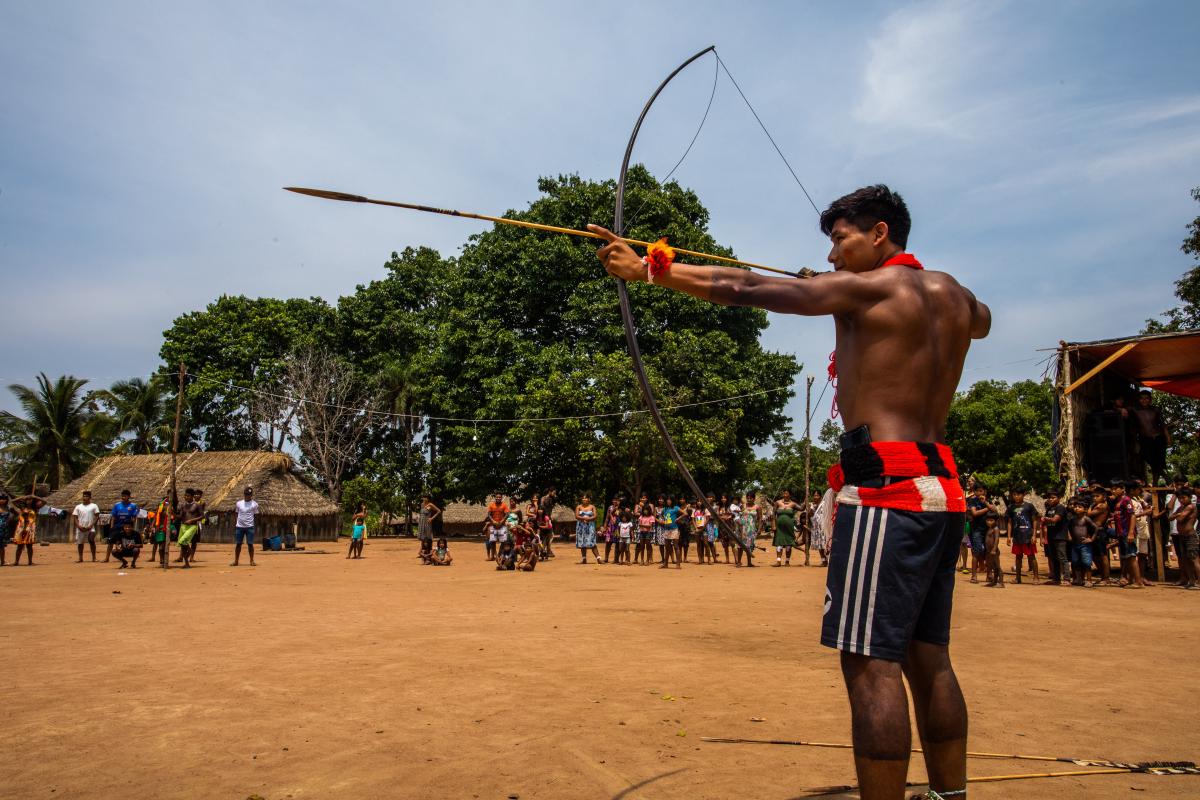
column 585, row 528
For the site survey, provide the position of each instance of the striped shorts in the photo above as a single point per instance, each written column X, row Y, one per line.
column 890, row 580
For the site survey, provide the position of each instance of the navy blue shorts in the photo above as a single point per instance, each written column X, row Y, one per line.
column 979, row 543
column 243, row 534
column 1081, row 555
column 1127, row 547
column 891, row 580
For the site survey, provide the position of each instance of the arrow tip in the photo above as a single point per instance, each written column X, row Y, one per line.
column 326, row 194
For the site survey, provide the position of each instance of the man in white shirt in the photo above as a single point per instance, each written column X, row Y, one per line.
column 83, row 520
column 247, row 511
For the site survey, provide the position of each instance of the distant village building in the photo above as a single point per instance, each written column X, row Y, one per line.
column 466, row 519
column 287, row 504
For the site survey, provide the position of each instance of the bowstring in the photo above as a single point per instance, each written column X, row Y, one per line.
column 716, row 74
column 791, row 460
column 749, row 105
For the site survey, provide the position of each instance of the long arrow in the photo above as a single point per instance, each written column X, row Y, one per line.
column 537, row 226
column 793, row 743
column 1083, row 762
column 825, row 791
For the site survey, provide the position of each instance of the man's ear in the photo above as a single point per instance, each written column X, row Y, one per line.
column 879, row 233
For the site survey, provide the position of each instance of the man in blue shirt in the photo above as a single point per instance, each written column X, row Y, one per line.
column 122, row 512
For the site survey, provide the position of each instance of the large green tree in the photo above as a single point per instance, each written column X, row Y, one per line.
column 58, row 435
column 529, row 326
column 234, row 349
column 469, row 354
column 1000, row 433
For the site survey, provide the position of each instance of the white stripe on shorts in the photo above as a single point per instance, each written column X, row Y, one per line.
column 849, row 578
column 861, row 575
column 883, row 519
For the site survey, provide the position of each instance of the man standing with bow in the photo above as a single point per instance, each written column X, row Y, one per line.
column 902, row 337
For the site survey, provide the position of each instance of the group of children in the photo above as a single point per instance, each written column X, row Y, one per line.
column 671, row 525
column 1080, row 538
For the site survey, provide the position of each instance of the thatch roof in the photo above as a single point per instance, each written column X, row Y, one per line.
column 475, row 513
column 221, row 475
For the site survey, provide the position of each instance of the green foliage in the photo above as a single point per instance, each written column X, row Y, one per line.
column 57, row 437
column 530, row 327
column 1001, row 433
column 784, row 469
column 389, row 482
column 234, row 345
column 141, row 413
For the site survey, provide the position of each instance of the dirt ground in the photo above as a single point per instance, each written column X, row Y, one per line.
column 310, row 676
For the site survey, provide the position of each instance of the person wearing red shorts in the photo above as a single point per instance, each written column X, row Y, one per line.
column 902, row 336
column 1022, row 522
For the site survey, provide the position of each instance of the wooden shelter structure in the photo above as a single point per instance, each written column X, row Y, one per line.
column 286, row 503
column 1091, row 375
column 1091, row 439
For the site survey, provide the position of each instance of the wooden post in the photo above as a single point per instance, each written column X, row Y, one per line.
column 1160, row 565
column 166, row 560
column 807, row 465
column 1087, row 376
column 1066, row 404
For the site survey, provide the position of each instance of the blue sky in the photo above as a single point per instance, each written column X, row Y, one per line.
column 1046, row 150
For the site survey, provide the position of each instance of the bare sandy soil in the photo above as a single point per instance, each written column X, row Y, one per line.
column 311, row 676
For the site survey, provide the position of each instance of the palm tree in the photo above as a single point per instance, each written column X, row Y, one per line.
column 55, row 437
column 399, row 396
column 140, row 410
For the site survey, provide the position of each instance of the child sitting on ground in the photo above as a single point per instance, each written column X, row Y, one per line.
column 995, row 574
column 426, row 554
column 440, row 557
column 528, row 559
column 506, row 558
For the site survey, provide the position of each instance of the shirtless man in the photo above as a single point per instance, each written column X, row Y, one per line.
column 1189, row 550
column 902, row 337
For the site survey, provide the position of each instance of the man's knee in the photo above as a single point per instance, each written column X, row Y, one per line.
column 926, row 658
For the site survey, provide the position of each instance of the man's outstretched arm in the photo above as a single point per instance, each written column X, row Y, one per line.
column 827, row 293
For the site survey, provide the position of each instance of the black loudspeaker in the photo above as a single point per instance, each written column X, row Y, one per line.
column 1104, row 436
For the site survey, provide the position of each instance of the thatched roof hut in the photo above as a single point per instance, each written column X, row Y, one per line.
column 284, row 500
column 466, row 519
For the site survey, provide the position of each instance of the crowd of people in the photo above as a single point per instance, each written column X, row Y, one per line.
column 1101, row 536
column 662, row 531
column 127, row 527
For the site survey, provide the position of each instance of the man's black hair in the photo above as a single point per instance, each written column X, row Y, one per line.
column 864, row 207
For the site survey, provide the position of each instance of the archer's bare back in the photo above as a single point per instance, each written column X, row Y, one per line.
column 900, row 358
